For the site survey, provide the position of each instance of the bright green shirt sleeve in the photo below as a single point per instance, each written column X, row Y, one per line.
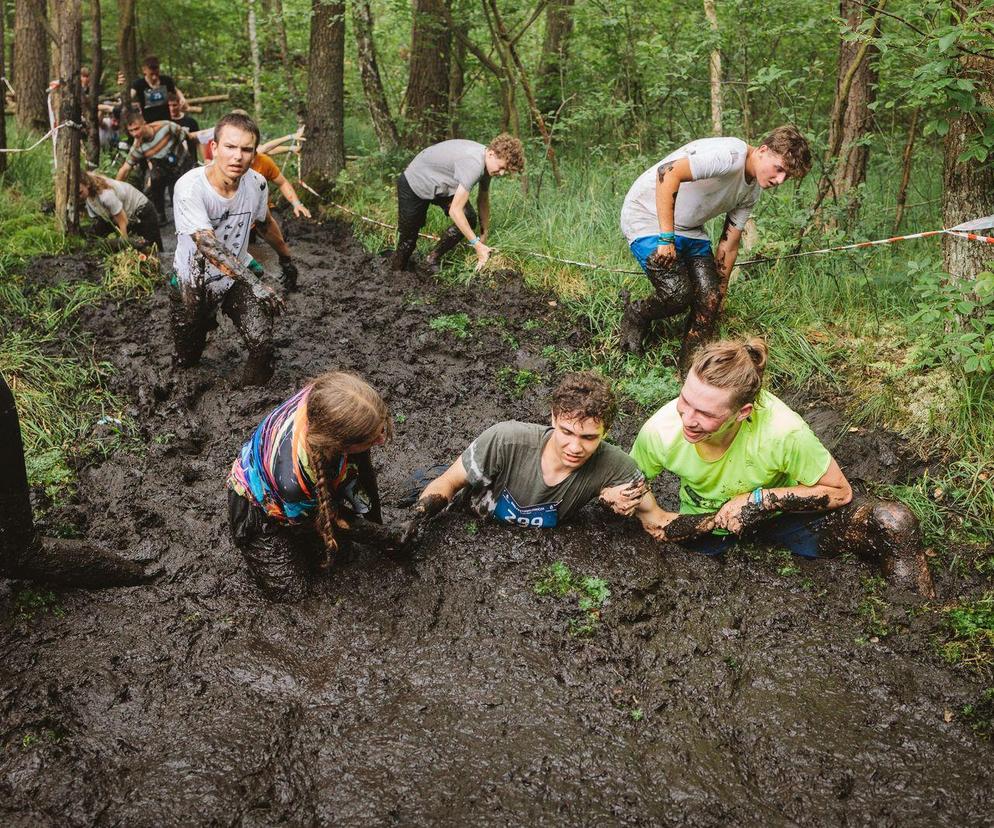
column 647, row 452
column 805, row 459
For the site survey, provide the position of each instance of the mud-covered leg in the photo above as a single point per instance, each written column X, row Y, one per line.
column 705, row 308
column 411, row 214
column 273, row 560
column 450, row 238
column 672, row 294
column 254, row 321
column 884, row 533
column 190, row 321
column 157, row 181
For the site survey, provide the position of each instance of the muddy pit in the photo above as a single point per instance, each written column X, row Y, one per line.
column 443, row 689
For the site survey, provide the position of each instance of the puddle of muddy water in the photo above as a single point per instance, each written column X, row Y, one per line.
column 443, row 689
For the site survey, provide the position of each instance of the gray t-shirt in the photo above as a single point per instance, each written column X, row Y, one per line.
column 198, row 206
column 441, row 168
column 118, row 196
column 719, row 186
column 504, row 469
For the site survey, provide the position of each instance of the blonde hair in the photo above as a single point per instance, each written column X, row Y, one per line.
column 342, row 410
column 736, row 365
column 94, row 182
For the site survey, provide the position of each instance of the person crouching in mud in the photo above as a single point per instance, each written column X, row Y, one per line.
column 751, row 469
column 663, row 219
column 443, row 175
column 214, row 210
column 304, row 476
column 534, row 475
column 117, row 207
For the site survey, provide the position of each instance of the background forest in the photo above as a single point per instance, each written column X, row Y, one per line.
column 895, row 98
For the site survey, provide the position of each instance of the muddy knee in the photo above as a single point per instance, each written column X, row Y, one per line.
column 672, row 285
column 902, row 558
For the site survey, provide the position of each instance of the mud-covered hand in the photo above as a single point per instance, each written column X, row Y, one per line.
column 664, row 257
column 624, row 498
column 424, row 510
column 269, row 296
column 737, row 514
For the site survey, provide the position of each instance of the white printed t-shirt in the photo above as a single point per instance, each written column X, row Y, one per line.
column 119, row 196
column 198, row 206
column 719, row 186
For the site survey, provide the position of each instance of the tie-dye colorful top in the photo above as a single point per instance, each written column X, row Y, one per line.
column 273, row 470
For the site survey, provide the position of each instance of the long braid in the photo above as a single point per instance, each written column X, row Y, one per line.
column 327, row 512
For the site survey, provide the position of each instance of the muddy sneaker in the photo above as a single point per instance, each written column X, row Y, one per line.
column 633, row 328
column 432, row 265
column 289, row 274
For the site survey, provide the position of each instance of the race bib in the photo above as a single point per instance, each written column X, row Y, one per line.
column 543, row 516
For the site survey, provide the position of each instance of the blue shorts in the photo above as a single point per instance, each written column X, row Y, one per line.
column 686, row 248
column 798, row 532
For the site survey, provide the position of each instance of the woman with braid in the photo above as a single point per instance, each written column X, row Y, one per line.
column 305, row 476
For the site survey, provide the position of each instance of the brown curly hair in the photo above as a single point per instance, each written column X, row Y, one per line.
column 787, row 142
column 510, row 150
column 342, row 410
column 584, row 395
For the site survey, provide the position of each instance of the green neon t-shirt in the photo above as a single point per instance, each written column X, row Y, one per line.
column 774, row 447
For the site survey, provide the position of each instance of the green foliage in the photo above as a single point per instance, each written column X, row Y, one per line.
column 980, row 714
column 558, row 581
column 516, row 382
column 30, row 602
column 873, row 609
column 968, row 635
column 959, row 322
column 456, row 323
column 654, row 388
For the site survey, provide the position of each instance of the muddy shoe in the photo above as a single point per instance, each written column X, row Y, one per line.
column 289, row 274
column 633, row 328
column 432, row 265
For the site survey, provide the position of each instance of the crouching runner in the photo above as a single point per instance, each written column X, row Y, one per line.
column 304, row 482
column 751, row 469
column 535, row 475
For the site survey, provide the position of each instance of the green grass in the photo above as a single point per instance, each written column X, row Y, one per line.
column 968, row 634
column 558, row 581
column 456, row 323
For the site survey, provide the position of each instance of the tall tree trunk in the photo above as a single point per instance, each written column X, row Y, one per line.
column 96, row 84
column 509, row 109
column 3, row 87
column 714, row 64
column 127, row 43
column 291, row 83
column 70, row 32
column 457, row 78
column 426, row 102
column 30, row 64
column 322, row 156
column 849, row 132
column 968, row 186
column 906, row 160
column 369, row 71
column 555, row 48
column 256, row 63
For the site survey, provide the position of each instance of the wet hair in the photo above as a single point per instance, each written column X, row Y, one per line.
column 787, row 142
column 736, row 365
column 132, row 115
column 151, row 62
column 342, row 410
column 509, row 148
column 585, row 395
column 94, row 182
column 237, row 120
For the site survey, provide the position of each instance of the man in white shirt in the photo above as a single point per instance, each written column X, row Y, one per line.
column 663, row 221
column 214, row 208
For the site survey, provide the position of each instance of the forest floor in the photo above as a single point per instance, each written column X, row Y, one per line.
column 444, row 688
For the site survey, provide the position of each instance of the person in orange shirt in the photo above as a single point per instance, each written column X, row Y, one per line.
column 273, row 234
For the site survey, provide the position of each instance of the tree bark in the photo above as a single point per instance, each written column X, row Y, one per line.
column 849, row 131
column 457, row 79
column 256, row 63
column 714, row 64
column 968, row 186
column 31, row 64
column 555, row 49
column 322, row 156
column 426, row 102
column 369, row 71
column 280, row 24
column 3, row 87
column 96, row 73
column 127, row 44
column 906, row 159
column 67, row 143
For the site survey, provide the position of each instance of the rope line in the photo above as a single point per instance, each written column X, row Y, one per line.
column 43, row 138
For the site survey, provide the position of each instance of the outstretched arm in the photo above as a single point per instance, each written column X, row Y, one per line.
column 227, row 262
column 290, row 195
column 483, row 208
column 671, row 527
column 437, row 495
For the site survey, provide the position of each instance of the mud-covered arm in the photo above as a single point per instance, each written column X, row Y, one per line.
column 830, row 492
column 367, row 482
column 437, row 495
column 227, row 262
column 669, row 177
column 290, row 194
column 728, row 250
column 483, row 208
column 671, row 527
column 624, row 498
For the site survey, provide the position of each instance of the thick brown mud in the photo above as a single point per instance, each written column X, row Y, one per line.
column 440, row 688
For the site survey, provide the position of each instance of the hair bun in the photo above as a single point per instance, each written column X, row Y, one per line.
column 756, row 347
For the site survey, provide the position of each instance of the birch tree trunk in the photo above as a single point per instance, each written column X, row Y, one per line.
column 256, row 63
column 714, row 64
column 369, row 71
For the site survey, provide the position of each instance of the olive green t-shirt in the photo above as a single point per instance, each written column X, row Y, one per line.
column 504, row 469
column 774, row 447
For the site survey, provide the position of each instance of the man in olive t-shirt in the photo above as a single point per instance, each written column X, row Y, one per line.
column 528, row 474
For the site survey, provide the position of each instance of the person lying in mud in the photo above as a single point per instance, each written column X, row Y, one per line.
column 214, row 210
column 443, row 175
column 663, row 219
column 117, row 207
column 535, row 475
column 751, row 469
column 304, row 476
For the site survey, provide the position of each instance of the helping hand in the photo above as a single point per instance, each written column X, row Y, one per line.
column 269, row 297
column 624, row 498
column 730, row 515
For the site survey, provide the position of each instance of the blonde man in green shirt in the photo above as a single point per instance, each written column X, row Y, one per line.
column 750, row 468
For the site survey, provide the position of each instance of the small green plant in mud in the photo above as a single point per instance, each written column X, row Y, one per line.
column 968, row 637
column 33, row 738
column 130, row 273
column 472, row 528
column 456, row 323
column 980, row 714
column 873, row 611
column 400, row 418
column 531, row 324
column 636, row 714
column 29, row 603
column 558, row 581
column 517, row 382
